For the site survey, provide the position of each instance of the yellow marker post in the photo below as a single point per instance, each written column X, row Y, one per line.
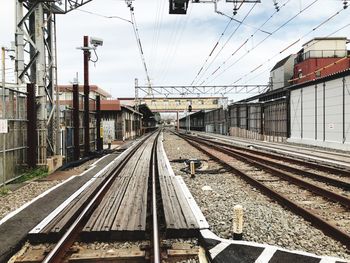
column 193, row 169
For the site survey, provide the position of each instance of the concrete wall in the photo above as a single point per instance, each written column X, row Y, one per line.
column 108, row 131
column 281, row 75
column 332, row 44
column 277, row 78
column 320, row 114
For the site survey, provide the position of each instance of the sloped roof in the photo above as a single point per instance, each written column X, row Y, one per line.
column 110, row 105
column 95, row 88
column 281, row 62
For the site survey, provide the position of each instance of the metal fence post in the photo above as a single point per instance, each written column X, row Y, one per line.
column 32, row 137
column 76, row 121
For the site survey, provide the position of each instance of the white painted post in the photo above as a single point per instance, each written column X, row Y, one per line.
column 193, row 169
column 237, row 222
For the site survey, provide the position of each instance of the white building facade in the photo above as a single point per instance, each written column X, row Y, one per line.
column 320, row 112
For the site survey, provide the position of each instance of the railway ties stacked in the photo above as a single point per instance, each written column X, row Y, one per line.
column 179, row 216
column 123, row 211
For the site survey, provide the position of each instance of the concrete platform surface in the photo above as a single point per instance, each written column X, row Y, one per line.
column 13, row 231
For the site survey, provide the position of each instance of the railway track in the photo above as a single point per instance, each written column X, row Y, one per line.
column 322, row 200
column 137, row 198
column 314, row 156
column 336, row 176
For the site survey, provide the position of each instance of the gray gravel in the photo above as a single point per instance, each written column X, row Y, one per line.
column 23, row 194
column 19, row 197
column 264, row 220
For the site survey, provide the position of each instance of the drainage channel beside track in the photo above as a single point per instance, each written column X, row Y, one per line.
column 326, row 209
column 137, row 200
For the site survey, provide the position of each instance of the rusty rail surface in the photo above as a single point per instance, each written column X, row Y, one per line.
column 315, row 219
column 309, row 164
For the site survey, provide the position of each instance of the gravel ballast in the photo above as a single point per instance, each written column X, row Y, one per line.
column 14, row 200
column 265, row 221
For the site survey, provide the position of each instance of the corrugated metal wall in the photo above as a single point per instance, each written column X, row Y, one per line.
column 216, row 121
column 13, row 144
column 259, row 120
column 320, row 114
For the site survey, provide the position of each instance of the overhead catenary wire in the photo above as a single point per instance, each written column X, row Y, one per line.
column 156, row 34
column 178, row 42
column 138, row 40
column 292, row 44
column 222, row 35
column 212, row 50
column 338, row 30
column 104, row 16
column 136, row 33
column 227, row 41
column 260, row 42
column 250, row 37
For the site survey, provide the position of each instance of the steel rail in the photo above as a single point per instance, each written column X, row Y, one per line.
column 307, row 214
column 59, row 251
column 345, row 201
column 256, row 156
column 316, row 166
column 156, row 246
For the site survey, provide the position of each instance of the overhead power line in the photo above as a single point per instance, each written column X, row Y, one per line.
column 246, row 41
column 331, row 34
column 138, row 40
column 259, row 43
column 228, row 40
column 211, row 52
column 290, row 45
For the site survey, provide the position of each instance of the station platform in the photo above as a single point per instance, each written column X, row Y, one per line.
column 15, row 226
column 223, row 250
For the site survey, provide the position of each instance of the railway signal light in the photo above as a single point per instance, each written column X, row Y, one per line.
column 178, row 6
column 189, row 108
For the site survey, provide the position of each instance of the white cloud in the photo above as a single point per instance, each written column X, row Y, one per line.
column 175, row 51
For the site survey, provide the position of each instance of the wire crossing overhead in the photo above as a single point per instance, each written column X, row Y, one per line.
column 138, row 40
column 249, row 51
column 190, row 91
column 181, row 6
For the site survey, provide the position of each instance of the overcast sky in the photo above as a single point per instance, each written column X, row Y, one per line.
column 176, row 46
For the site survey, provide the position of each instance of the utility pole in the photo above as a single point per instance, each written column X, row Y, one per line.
column 86, row 96
column 87, row 55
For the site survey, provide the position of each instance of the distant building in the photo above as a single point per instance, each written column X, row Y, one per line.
column 282, row 72
column 119, row 122
column 321, row 57
column 66, row 93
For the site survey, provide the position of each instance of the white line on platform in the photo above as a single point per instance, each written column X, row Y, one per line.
column 55, row 212
column 329, row 260
column 266, row 255
column 13, row 213
column 207, row 234
column 218, row 249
